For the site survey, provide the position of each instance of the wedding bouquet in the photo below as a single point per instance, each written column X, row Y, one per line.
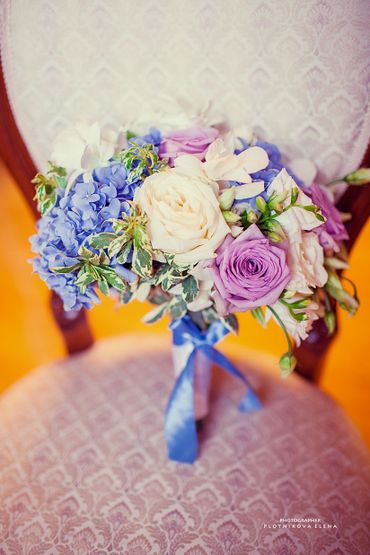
column 203, row 223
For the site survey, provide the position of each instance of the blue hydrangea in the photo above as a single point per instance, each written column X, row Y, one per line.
column 153, row 137
column 86, row 209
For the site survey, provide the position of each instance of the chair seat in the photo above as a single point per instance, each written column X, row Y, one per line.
column 83, row 465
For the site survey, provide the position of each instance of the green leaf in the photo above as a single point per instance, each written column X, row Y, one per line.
column 83, row 281
column 103, row 259
column 310, row 207
column 47, row 204
column 273, row 226
column 231, row 217
column 226, row 198
column 249, row 217
column 116, row 245
column 359, row 177
column 294, row 195
column 126, row 296
column 330, row 322
column 345, row 300
column 302, row 303
column 210, row 315
column 155, row 314
column 54, row 169
column 85, row 253
column 103, row 286
column 130, row 134
column 40, row 192
column 298, row 316
column 142, row 261
column 258, row 314
column 60, row 181
column 177, row 308
column 190, row 289
column 336, row 263
column 261, row 204
column 124, row 253
column 231, row 323
column 288, row 294
column 334, row 281
column 167, row 276
column 101, row 240
column 93, row 271
column 115, row 281
column 287, row 364
column 65, row 269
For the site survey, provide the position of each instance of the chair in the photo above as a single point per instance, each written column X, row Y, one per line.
column 83, row 461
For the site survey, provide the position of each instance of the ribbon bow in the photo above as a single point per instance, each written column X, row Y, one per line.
column 179, row 427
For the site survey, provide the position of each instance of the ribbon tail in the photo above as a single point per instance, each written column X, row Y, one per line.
column 250, row 400
column 179, row 428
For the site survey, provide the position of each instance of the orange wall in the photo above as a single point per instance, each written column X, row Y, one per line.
column 28, row 335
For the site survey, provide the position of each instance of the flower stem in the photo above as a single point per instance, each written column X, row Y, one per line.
column 355, row 296
column 282, row 325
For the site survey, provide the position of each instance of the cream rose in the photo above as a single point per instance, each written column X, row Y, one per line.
column 184, row 215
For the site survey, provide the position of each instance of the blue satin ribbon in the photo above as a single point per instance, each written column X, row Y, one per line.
column 179, row 427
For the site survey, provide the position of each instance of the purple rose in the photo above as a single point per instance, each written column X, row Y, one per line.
column 249, row 271
column 332, row 232
column 188, row 141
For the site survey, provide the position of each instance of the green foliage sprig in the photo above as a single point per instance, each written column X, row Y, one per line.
column 129, row 234
column 272, row 208
column 94, row 267
column 46, row 187
column 140, row 160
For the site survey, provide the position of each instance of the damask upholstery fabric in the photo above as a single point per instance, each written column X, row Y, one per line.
column 296, row 70
column 83, row 467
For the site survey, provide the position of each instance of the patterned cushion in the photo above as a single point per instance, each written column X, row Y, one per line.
column 83, row 466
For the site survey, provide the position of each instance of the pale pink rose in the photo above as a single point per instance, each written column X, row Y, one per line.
column 298, row 330
column 306, row 255
column 306, row 262
column 295, row 220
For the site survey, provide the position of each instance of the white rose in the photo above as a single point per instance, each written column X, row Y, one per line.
column 184, row 215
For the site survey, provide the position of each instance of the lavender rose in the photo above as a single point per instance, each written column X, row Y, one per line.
column 248, row 271
column 188, row 141
column 332, row 232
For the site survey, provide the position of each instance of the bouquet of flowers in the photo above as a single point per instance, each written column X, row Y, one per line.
column 203, row 223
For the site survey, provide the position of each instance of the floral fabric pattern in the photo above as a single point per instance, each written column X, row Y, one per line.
column 83, row 468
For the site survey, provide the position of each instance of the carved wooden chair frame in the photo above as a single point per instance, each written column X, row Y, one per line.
column 74, row 326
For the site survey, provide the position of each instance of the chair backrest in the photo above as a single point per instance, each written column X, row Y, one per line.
column 73, row 326
column 297, row 71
